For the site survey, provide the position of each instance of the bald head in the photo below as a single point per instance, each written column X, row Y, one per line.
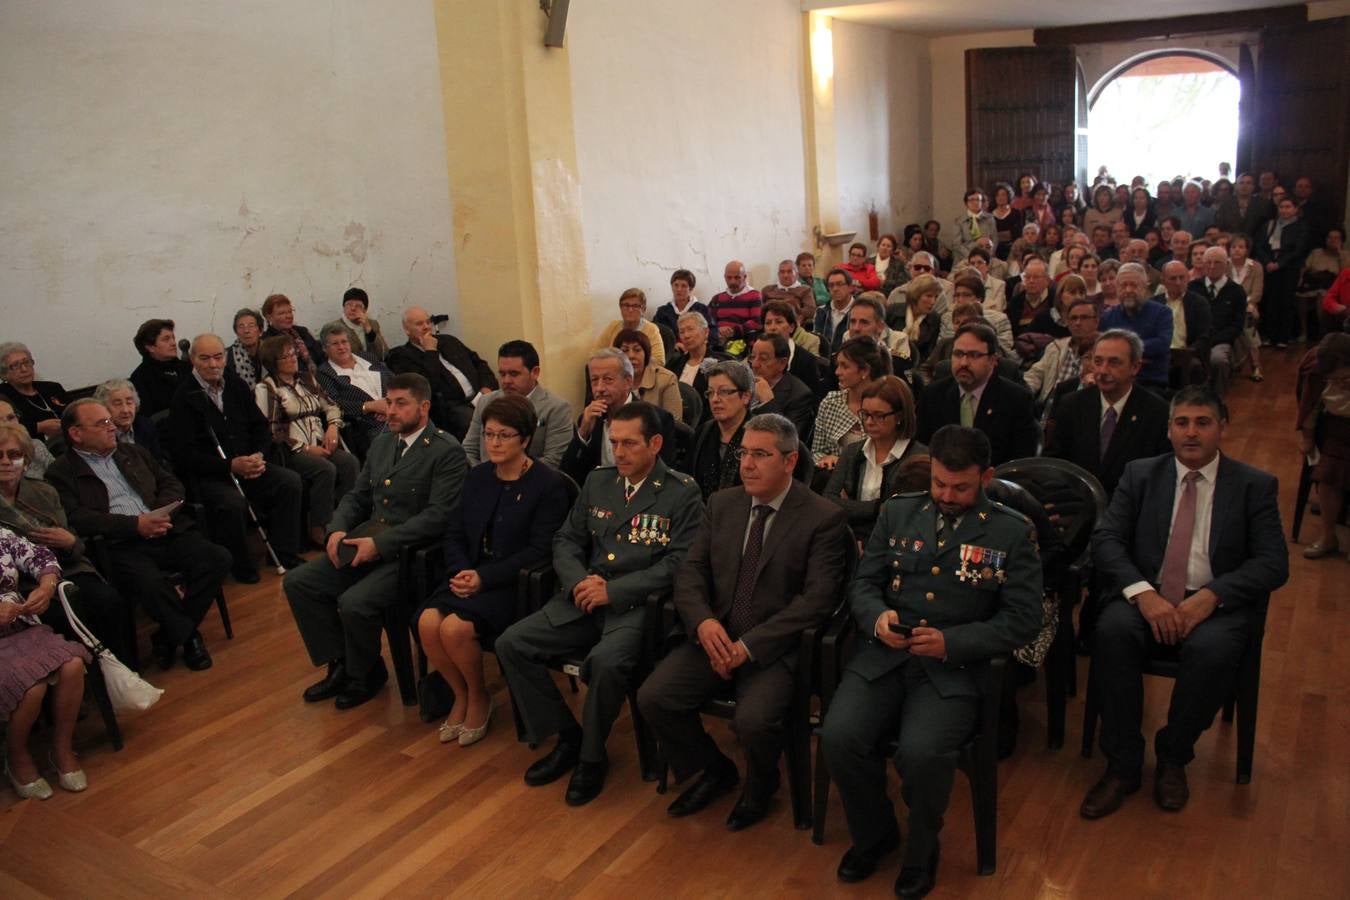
column 1136, row 250
column 207, row 355
column 734, row 275
column 416, row 323
column 1175, row 276
column 1215, row 263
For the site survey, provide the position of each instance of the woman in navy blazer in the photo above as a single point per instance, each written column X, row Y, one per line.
column 509, row 509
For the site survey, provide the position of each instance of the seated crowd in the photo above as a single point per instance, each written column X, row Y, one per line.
column 755, row 459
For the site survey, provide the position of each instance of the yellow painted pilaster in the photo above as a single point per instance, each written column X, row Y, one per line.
column 520, row 260
column 822, row 162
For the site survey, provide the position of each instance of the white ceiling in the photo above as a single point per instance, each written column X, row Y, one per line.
column 934, row 17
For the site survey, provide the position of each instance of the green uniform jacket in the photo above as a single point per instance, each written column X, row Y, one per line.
column 994, row 609
column 635, row 547
column 413, row 496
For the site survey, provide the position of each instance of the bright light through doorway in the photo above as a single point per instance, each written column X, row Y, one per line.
column 1169, row 116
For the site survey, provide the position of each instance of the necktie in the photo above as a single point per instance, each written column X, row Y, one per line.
column 628, row 492
column 1108, row 430
column 742, row 614
column 398, row 454
column 967, row 410
column 1211, row 292
column 974, row 227
column 1179, row 543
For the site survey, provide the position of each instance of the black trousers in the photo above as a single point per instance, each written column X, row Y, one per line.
column 275, row 494
column 139, row 569
column 1208, row 660
column 671, row 696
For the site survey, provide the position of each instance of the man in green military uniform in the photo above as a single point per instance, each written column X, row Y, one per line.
column 404, row 496
column 622, row 542
column 949, row 579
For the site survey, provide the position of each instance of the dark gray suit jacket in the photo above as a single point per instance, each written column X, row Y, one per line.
column 1247, row 553
column 799, row 579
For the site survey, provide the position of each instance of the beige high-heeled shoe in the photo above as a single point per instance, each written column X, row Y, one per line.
column 474, row 735
column 450, row 732
column 70, row 781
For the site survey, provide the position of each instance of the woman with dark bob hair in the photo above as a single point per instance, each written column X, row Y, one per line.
column 654, row 383
column 509, row 509
column 868, row 473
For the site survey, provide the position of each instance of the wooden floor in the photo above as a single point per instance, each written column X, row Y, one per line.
column 232, row 787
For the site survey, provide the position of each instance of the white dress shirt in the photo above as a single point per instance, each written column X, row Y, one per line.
column 362, row 376
column 869, row 486
column 775, row 504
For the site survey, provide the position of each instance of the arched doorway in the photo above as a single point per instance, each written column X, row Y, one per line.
column 1165, row 114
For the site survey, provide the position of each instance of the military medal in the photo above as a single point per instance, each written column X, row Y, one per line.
column 895, row 583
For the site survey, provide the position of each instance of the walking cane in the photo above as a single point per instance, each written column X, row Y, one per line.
column 281, row 570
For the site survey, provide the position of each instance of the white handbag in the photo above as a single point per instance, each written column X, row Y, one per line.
column 127, row 690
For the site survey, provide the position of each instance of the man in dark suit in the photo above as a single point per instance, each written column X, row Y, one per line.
column 457, row 375
column 976, row 397
column 216, row 432
column 1190, row 320
column 408, row 488
column 832, row 318
column 1227, row 315
column 1189, row 553
column 622, row 542
column 777, row 390
column 1110, row 424
column 768, row 562
column 122, row 493
column 611, row 377
column 948, row 581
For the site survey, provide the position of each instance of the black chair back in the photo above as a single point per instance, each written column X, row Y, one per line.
column 1066, row 491
column 693, row 405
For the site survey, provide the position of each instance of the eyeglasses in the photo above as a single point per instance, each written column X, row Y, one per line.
column 868, row 416
column 20, row 364
column 724, row 393
column 969, row 354
column 756, row 455
column 500, row 435
column 98, row 423
column 14, row 455
column 920, row 267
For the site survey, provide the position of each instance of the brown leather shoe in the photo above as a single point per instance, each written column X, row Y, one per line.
column 1106, row 796
column 1169, row 787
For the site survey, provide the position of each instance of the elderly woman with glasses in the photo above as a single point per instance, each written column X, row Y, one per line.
column 280, row 315
column 508, row 511
column 305, row 425
column 32, row 509
column 632, row 312
column 356, row 384
column 38, row 403
column 124, row 403
column 654, row 383
column 243, row 356
column 868, row 473
column 41, row 457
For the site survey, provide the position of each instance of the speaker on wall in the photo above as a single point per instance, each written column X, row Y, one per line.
column 557, row 21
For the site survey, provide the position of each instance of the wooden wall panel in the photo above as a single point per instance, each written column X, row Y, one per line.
column 1020, row 109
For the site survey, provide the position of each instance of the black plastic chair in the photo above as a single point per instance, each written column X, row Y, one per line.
column 1242, row 701
column 978, row 756
column 1076, row 500
column 693, row 406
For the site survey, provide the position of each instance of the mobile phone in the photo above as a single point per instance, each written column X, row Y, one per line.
column 904, row 631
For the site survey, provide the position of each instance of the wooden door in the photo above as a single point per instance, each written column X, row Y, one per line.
column 1303, row 106
column 1020, row 110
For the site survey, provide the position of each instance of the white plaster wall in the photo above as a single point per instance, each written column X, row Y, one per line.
column 949, row 113
column 186, row 158
column 883, row 138
column 689, row 141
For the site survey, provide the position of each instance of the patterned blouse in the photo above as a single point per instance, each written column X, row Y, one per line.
column 299, row 415
column 19, row 556
column 836, row 426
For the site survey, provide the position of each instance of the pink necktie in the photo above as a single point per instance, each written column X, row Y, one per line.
column 1178, row 553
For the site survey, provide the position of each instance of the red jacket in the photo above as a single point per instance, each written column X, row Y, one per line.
column 865, row 275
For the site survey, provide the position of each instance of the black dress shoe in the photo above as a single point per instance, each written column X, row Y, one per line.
column 162, row 651
column 858, row 865
column 1107, row 795
column 330, row 687
column 586, row 783
column 1170, row 790
column 753, row 803
column 917, row 881
column 290, row 561
column 358, row 692
column 560, row 760
column 715, row 781
column 195, row 656
column 245, row 574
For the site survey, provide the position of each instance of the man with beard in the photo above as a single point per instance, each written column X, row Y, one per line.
column 1149, row 319
column 408, row 487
